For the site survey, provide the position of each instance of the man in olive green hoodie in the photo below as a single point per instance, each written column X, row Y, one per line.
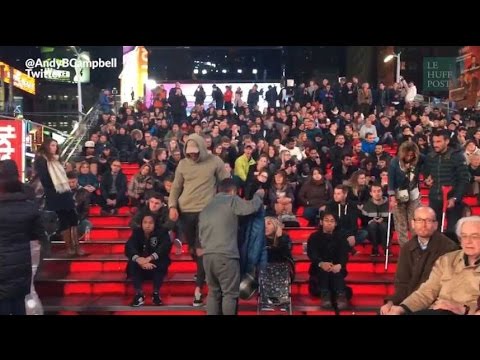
column 194, row 186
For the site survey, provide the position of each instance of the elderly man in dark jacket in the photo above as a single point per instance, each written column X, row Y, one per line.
column 21, row 223
column 418, row 256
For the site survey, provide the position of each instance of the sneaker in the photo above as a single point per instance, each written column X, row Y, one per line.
column 156, row 300
column 138, row 300
column 178, row 245
column 197, row 300
column 326, row 301
column 342, row 302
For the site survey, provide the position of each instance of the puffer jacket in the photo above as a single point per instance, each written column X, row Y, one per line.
column 449, row 168
column 22, row 224
column 252, row 243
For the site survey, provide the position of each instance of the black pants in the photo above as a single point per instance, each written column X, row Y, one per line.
column 377, row 234
column 364, row 109
column 13, row 306
column 228, row 105
column 139, row 275
column 323, row 282
column 453, row 215
column 189, row 230
column 119, row 204
column 67, row 219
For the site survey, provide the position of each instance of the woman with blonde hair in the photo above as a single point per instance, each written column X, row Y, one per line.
column 278, row 274
column 279, row 244
column 403, row 188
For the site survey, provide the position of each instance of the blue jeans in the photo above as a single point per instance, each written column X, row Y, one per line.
column 311, row 213
column 361, row 236
column 13, row 306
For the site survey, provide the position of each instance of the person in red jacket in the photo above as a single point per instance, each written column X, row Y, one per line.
column 227, row 98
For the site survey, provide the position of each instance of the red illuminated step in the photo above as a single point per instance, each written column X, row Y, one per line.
column 59, row 263
column 181, row 305
column 95, row 210
column 130, row 166
column 297, row 247
column 471, row 200
column 303, row 233
column 101, row 247
column 130, row 171
column 113, row 232
column 121, row 220
column 99, row 283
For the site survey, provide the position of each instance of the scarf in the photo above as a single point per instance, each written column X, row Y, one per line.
column 58, row 175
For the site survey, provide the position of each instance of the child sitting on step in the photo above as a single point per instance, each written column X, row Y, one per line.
column 148, row 250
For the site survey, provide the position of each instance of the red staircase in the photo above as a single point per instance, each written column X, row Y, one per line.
column 97, row 284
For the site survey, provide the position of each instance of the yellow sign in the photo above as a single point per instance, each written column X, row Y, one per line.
column 20, row 79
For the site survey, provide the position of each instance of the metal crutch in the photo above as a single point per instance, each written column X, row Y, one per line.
column 445, row 190
column 388, row 239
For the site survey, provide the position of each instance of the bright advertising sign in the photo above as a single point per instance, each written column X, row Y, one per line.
column 20, row 79
column 12, row 143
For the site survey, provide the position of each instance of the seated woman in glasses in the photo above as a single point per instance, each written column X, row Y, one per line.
column 453, row 287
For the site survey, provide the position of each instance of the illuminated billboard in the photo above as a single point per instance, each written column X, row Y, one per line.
column 465, row 87
column 189, row 90
column 54, row 67
column 12, row 143
column 134, row 73
column 20, row 80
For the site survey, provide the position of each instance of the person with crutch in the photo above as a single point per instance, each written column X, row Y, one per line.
column 403, row 190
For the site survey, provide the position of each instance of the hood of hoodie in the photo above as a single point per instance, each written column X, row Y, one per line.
column 202, row 146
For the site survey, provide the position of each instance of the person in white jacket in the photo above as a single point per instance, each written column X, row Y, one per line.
column 411, row 91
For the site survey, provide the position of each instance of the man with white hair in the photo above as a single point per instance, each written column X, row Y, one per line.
column 454, row 283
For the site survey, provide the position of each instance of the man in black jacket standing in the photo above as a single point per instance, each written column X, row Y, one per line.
column 446, row 167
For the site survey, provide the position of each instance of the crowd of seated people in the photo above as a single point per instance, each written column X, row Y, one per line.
column 326, row 148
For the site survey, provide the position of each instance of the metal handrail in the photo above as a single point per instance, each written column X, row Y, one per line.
column 74, row 133
column 82, row 130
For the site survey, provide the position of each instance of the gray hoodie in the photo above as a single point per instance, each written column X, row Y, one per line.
column 195, row 183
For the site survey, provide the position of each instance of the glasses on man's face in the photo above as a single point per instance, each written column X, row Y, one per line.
column 425, row 221
column 474, row 237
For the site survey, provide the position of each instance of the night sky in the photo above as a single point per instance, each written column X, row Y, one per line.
column 172, row 63
column 101, row 78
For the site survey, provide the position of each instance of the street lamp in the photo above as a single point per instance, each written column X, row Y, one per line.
column 390, row 58
column 78, row 67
